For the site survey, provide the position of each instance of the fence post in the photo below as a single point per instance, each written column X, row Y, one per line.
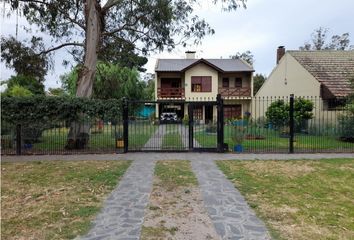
column 291, row 124
column 18, row 139
column 190, row 126
column 125, row 124
column 220, row 123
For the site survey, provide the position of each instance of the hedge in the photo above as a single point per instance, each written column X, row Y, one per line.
column 36, row 109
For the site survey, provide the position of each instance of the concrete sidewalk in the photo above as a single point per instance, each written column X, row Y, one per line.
column 176, row 156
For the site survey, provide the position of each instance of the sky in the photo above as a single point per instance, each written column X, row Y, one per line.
column 261, row 28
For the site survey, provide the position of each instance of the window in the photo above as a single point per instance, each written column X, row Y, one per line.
column 198, row 113
column 201, row 84
column 334, row 104
column 238, row 82
column 196, row 87
column 225, row 82
column 232, row 111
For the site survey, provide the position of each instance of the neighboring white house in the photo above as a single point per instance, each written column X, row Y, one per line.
column 322, row 75
column 190, row 79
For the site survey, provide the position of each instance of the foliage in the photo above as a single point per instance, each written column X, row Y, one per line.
column 56, row 92
column 18, row 91
column 346, row 123
column 37, row 109
column 258, row 81
column 149, row 86
column 319, row 41
column 24, row 59
column 246, row 56
column 111, row 81
column 278, row 113
column 26, row 82
column 111, row 30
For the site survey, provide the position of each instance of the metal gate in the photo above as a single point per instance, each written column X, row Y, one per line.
column 173, row 126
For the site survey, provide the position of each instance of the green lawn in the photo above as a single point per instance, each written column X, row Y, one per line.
column 299, row 199
column 55, row 139
column 272, row 141
column 54, row 199
column 139, row 134
column 172, row 141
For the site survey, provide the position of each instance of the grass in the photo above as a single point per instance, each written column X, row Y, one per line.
column 56, row 199
column 175, row 174
column 299, row 199
column 274, row 143
column 55, row 139
column 172, row 141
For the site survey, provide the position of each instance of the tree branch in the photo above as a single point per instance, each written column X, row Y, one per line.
column 109, row 4
column 61, row 46
column 73, row 20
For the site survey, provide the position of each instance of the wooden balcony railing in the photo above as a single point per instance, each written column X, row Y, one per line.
column 235, row 92
column 170, row 92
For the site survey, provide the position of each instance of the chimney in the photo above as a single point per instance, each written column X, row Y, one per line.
column 190, row 54
column 280, row 53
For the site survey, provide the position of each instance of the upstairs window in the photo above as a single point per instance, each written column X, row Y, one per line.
column 238, row 82
column 225, row 82
column 201, row 84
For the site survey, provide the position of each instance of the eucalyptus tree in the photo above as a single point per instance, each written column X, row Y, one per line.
column 94, row 29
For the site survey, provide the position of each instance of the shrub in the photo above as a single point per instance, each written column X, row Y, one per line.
column 346, row 124
column 278, row 113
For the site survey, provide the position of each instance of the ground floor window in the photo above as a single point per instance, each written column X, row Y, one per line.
column 198, row 113
column 232, row 111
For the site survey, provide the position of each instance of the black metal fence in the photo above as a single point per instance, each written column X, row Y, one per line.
column 173, row 126
column 258, row 125
column 52, row 138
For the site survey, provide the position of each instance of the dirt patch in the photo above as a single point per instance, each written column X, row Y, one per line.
column 177, row 214
column 280, row 167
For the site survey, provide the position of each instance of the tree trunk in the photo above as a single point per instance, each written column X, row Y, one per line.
column 79, row 131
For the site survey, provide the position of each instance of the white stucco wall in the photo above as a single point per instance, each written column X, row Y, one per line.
column 289, row 77
column 201, row 70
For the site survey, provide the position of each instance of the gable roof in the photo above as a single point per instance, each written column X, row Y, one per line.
column 332, row 69
column 221, row 65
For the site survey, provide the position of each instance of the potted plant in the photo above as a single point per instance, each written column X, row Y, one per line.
column 238, row 135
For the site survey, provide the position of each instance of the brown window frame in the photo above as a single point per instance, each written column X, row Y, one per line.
column 225, row 82
column 201, row 84
column 238, row 80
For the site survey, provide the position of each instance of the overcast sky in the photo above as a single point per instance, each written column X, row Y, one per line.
column 261, row 28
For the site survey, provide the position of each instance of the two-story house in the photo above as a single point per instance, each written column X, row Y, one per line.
column 190, row 79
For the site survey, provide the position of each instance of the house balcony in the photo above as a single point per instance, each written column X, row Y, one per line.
column 235, row 92
column 170, row 92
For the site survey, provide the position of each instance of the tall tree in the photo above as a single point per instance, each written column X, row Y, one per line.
column 90, row 27
column 246, row 56
column 258, row 81
column 146, row 25
column 319, row 41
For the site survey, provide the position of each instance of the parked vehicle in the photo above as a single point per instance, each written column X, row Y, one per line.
column 168, row 117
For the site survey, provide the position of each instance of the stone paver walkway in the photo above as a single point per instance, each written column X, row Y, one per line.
column 123, row 213
column 228, row 210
